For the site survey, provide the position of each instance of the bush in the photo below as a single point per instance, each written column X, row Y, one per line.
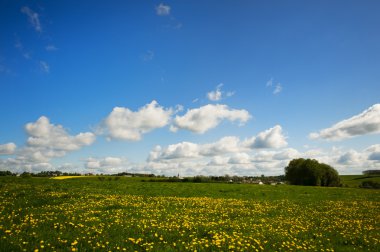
column 26, row 175
column 310, row 172
column 370, row 184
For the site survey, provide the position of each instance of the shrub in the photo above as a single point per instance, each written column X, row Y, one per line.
column 370, row 184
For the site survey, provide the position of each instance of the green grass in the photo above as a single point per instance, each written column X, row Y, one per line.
column 89, row 214
column 356, row 180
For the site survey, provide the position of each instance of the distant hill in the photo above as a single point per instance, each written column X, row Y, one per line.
column 356, row 180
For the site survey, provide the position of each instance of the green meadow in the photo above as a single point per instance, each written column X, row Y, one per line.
column 129, row 214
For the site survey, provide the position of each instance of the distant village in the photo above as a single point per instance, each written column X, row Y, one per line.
column 260, row 180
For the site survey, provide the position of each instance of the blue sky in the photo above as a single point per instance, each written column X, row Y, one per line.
column 189, row 87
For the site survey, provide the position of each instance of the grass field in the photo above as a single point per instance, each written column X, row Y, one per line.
column 356, row 180
column 126, row 214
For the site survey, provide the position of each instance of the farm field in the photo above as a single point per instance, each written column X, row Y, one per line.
column 127, row 214
column 356, row 180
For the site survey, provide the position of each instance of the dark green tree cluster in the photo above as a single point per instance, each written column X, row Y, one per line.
column 310, row 172
column 371, row 172
column 6, row 173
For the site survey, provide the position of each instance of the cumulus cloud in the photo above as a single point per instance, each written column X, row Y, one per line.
column 45, row 141
column 33, row 18
column 350, row 157
column 367, row 122
column 106, row 165
column 240, row 158
column 229, row 145
column 189, row 159
column 218, row 161
column 7, row 149
column 20, row 164
column 287, row 154
column 271, row 138
column 175, row 151
column 124, row 124
column 202, row 119
column 163, row 9
column 374, row 156
column 373, row 152
column 54, row 137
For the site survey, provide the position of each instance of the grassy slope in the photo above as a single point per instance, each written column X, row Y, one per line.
column 356, row 180
column 134, row 186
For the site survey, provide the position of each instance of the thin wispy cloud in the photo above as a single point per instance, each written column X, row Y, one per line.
column 51, row 48
column 33, row 18
column 163, row 10
column 217, row 94
column 147, row 56
column 270, row 82
column 44, row 66
column 277, row 89
column 18, row 44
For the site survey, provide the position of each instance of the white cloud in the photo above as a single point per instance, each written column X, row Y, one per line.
column 218, row 161
column 47, row 141
column 106, row 165
column 7, row 149
column 373, row 152
column 271, row 138
column 367, row 122
column 44, row 66
column 350, row 157
column 124, row 124
column 33, row 18
column 277, row 89
column 20, row 165
column 240, row 158
column 202, row 119
column 229, row 144
column 373, row 148
column 162, row 9
column 217, row 94
column 287, row 154
column 54, row 137
column 175, row 151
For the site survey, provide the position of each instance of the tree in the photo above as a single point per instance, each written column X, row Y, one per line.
column 310, row 172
